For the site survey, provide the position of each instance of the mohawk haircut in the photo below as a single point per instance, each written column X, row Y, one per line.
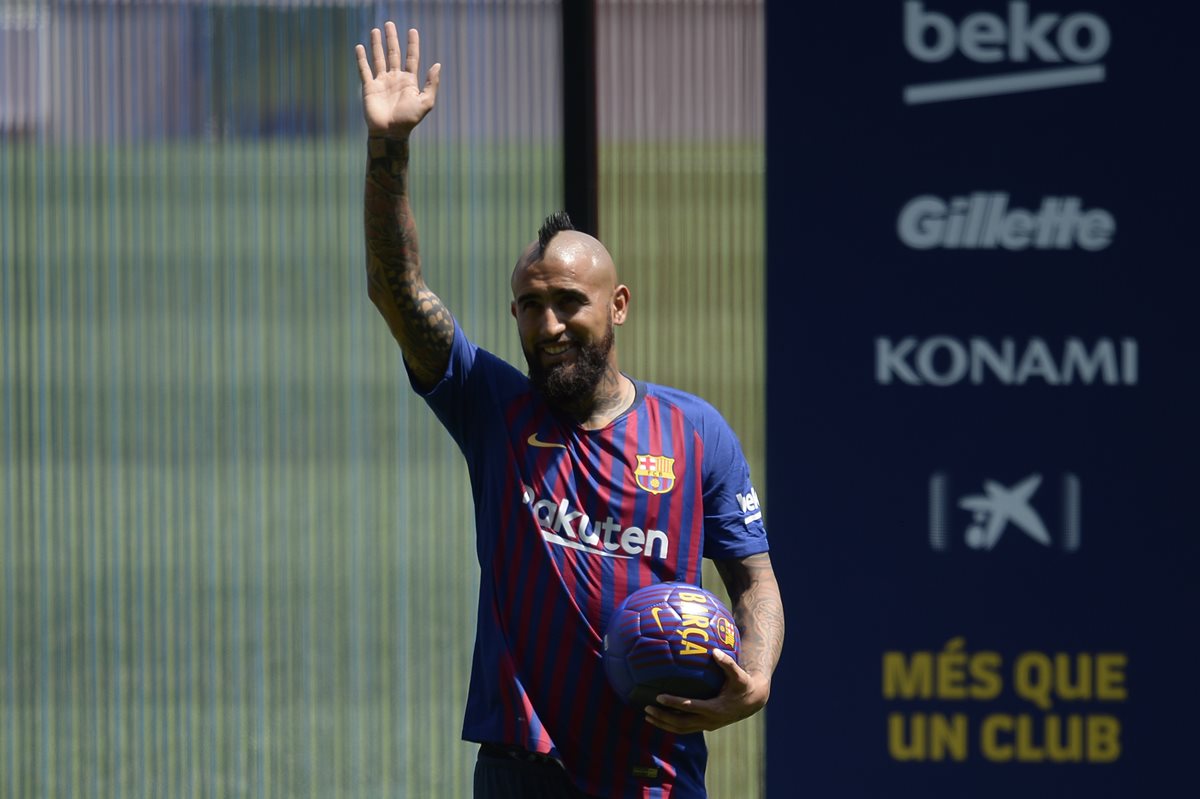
column 554, row 224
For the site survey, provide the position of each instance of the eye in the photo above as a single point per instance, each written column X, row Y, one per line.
column 570, row 303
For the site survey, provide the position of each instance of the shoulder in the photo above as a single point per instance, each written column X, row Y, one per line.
column 719, row 442
column 500, row 373
column 472, row 368
column 696, row 410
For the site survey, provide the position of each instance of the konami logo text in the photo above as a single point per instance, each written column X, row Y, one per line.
column 1081, row 38
column 947, row 361
column 984, row 221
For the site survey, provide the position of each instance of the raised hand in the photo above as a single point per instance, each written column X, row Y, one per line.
column 393, row 103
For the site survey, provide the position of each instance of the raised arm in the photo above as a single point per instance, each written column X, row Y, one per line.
column 393, row 104
column 758, row 611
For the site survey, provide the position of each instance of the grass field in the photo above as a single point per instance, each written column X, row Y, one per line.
column 236, row 554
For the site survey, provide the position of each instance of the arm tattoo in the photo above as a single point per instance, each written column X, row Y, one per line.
column 757, row 609
column 418, row 320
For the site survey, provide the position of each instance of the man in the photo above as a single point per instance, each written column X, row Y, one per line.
column 587, row 485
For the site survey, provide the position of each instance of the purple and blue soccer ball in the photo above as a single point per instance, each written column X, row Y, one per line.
column 660, row 641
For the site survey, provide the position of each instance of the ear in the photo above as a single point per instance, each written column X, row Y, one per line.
column 512, row 308
column 620, row 304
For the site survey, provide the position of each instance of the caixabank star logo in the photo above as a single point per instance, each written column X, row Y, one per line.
column 986, row 515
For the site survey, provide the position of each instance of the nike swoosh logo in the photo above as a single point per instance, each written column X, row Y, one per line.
column 654, row 612
column 533, row 442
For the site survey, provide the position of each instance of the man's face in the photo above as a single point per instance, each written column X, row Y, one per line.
column 566, row 306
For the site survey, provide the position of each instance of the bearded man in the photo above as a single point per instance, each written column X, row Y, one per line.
column 588, row 484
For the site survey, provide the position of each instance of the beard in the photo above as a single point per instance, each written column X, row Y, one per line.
column 566, row 384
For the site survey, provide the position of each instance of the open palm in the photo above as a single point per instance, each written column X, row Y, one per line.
column 393, row 103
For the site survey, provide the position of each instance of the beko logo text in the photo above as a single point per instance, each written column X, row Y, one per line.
column 1081, row 38
column 985, row 221
column 947, row 361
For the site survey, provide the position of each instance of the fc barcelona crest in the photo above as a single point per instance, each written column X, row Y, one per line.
column 655, row 473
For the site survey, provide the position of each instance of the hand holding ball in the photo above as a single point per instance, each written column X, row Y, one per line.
column 660, row 641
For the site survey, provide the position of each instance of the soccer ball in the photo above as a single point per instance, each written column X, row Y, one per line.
column 660, row 641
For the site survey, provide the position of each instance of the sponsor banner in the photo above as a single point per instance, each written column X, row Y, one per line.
column 981, row 399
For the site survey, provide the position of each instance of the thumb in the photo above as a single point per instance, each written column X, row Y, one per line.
column 730, row 666
column 432, row 79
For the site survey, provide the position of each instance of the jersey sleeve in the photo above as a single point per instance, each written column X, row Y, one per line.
column 733, row 520
column 465, row 397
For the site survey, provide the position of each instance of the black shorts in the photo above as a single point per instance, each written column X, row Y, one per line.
column 507, row 772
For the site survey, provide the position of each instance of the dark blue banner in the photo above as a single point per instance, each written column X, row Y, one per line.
column 982, row 397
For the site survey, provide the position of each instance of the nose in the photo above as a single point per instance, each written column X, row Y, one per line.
column 550, row 323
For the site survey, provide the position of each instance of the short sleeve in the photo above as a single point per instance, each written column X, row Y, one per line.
column 733, row 519
column 464, row 399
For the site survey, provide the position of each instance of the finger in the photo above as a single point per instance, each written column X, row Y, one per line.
column 675, row 703
column 413, row 62
column 364, row 69
column 377, row 52
column 669, row 720
column 662, row 725
column 432, row 81
column 393, row 46
column 667, row 726
column 693, row 713
column 730, row 667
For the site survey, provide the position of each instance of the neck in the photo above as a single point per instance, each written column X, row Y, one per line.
column 612, row 397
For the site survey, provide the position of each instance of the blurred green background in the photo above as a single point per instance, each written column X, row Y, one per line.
column 236, row 554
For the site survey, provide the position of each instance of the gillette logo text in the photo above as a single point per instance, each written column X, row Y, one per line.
column 1074, row 43
column 985, row 221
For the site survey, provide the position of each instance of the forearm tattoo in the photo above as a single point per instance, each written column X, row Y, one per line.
column 757, row 609
column 417, row 318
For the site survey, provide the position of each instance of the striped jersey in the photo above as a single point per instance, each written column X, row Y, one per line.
column 568, row 523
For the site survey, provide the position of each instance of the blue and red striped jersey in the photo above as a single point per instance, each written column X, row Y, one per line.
column 568, row 523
